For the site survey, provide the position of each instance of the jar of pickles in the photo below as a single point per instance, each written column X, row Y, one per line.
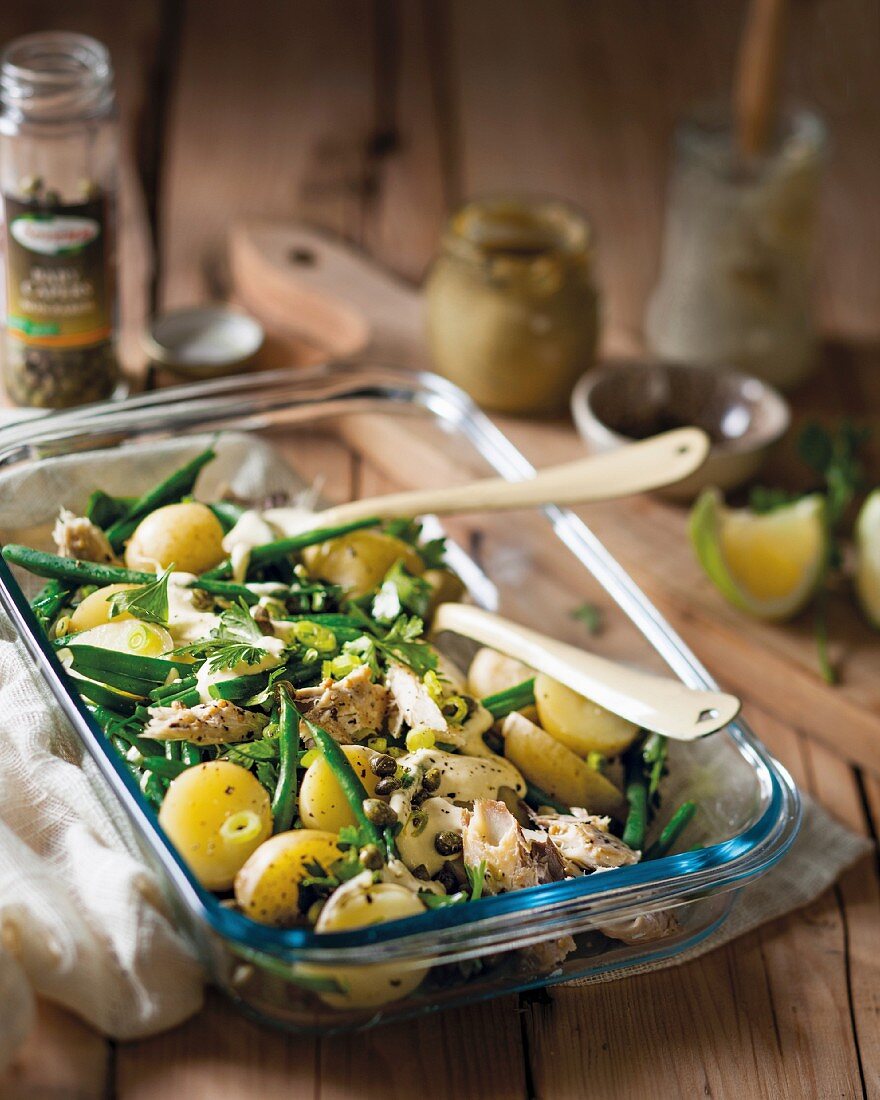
column 512, row 308
column 58, row 157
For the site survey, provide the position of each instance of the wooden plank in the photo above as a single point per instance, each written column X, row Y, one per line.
column 281, row 119
column 63, row 1058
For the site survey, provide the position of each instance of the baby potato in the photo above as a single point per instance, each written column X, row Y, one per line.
column 267, row 886
column 491, row 672
column 187, row 536
column 216, row 814
column 95, row 609
column 446, row 587
column 579, row 723
column 127, row 635
column 322, row 803
column 358, row 561
column 356, row 906
column 550, row 765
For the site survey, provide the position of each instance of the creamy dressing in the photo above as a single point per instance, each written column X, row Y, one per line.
column 465, row 778
column 250, row 530
column 291, row 520
column 206, row 677
column 185, row 622
column 416, row 843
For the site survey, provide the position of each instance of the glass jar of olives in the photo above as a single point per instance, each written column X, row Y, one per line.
column 512, row 306
column 58, row 157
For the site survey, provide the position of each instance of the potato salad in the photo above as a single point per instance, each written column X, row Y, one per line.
column 272, row 687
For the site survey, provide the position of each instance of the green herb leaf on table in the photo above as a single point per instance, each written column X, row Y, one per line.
column 148, row 603
column 591, row 616
column 763, row 499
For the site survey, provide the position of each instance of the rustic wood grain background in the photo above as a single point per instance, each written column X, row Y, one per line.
column 370, row 118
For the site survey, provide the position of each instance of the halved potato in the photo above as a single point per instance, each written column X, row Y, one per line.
column 548, row 764
column 359, row 561
column 267, row 886
column 579, row 723
column 491, row 672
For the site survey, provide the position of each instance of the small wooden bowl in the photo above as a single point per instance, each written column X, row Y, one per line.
column 742, row 415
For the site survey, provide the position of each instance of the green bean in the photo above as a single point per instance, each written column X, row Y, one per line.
column 673, row 830
column 69, row 569
column 156, row 669
column 106, row 697
column 116, row 680
column 160, row 765
column 288, row 745
column 169, row 691
column 103, row 509
column 49, row 601
column 170, row 491
column 502, row 703
column 226, row 589
column 348, row 779
column 536, row 797
column 243, row 687
column 188, row 697
column 227, row 512
column 154, row 788
column 636, row 792
column 281, row 548
column 173, row 750
column 189, row 753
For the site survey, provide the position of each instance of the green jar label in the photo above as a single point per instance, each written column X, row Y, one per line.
column 57, row 293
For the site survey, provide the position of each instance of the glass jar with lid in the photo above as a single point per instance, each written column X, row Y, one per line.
column 512, row 305
column 736, row 276
column 58, row 160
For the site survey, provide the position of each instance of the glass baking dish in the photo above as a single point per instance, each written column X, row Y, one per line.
column 359, row 429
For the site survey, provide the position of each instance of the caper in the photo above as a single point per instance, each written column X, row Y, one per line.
column 421, row 872
column 387, row 784
column 380, row 813
column 431, row 779
column 447, row 878
column 448, row 843
column 383, row 765
column 370, row 857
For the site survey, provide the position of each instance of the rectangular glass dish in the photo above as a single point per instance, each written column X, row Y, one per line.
column 358, row 430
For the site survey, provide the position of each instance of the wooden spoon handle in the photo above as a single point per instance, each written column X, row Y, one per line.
column 636, row 468
column 653, row 702
column 757, row 77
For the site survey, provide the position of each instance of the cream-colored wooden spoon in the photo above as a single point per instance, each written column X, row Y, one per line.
column 637, row 468
column 654, row 702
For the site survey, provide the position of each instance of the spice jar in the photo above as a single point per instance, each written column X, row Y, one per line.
column 735, row 282
column 58, row 157
column 512, row 307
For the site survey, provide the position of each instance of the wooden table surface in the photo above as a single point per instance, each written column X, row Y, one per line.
column 371, row 118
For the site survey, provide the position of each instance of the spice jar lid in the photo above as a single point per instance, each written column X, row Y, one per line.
column 203, row 341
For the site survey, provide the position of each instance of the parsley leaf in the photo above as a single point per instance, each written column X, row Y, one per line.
column 235, row 640
column 591, row 616
column 763, row 499
column 476, row 877
column 148, row 602
column 401, row 644
column 400, row 592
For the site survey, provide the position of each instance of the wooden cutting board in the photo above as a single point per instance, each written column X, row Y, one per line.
column 320, row 298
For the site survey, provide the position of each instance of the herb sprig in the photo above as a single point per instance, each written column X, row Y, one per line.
column 147, row 602
column 235, row 640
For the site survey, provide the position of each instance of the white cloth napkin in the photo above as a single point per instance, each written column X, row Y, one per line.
column 82, row 919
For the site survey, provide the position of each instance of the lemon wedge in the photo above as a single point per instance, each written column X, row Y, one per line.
column 767, row 563
column 867, row 575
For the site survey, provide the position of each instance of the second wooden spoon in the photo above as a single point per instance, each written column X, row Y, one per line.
column 655, row 703
column 637, row 468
